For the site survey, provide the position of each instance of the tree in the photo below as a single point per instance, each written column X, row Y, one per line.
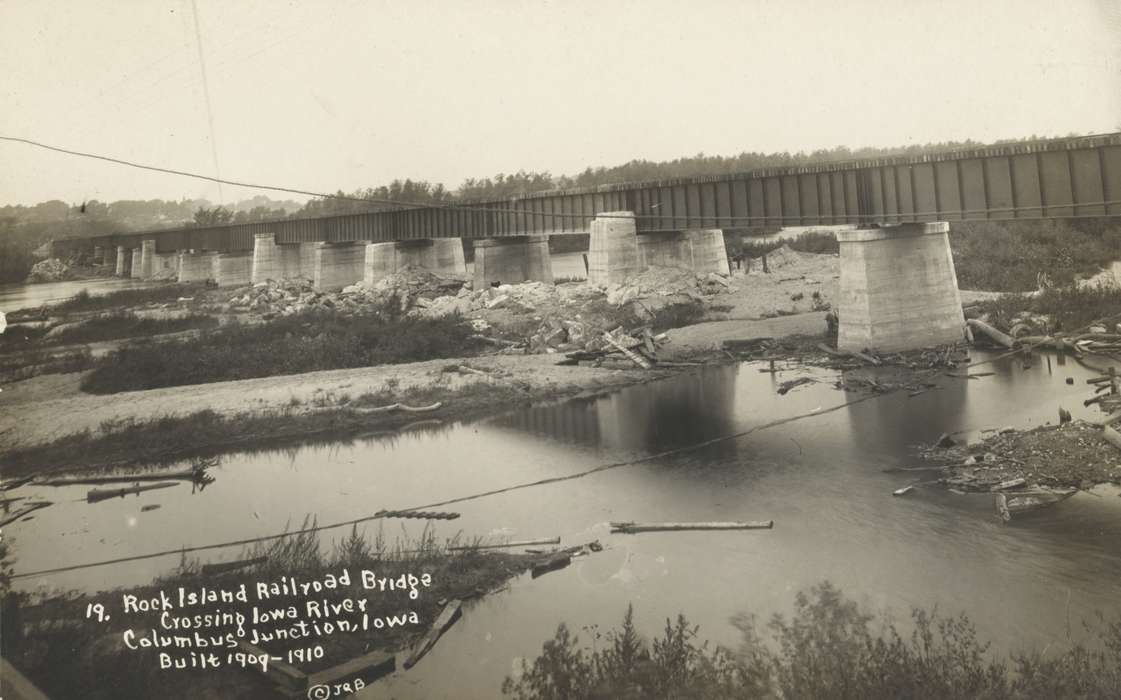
column 218, row 216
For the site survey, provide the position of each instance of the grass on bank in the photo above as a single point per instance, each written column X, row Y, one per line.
column 207, row 433
column 829, row 648
column 1069, row 308
column 88, row 660
column 305, row 342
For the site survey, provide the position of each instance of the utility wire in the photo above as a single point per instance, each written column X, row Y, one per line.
column 559, row 215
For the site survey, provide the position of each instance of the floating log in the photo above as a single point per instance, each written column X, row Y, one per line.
column 27, row 509
column 96, row 495
column 903, row 491
column 226, row 566
column 630, row 528
column 552, row 564
column 280, row 672
column 520, row 543
column 1111, row 436
column 145, row 509
column 446, row 619
column 996, row 336
column 422, row 514
column 188, row 475
column 398, row 407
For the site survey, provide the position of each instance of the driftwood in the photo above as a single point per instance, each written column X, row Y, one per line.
column 27, row 509
column 554, row 563
column 189, row 475
column 996, row 336
column 96, row 495
column 446, row 619
column 1111, row 436
column 399, row 407
column 421, row 514
column 1111, row 418
column 496, row 341
column 1011, row 483
column 632, row 356
column 521, row 543
column 631, row 528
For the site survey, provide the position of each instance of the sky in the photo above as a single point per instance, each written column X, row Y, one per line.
column 349, row 94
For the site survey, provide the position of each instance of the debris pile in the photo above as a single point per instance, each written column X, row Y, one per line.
column 411, row 289
column 49, row 270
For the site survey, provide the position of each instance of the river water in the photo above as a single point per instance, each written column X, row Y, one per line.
column 819, row 478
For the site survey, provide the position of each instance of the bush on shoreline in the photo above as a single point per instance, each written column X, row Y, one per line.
column 293, row 344
column 829, row 648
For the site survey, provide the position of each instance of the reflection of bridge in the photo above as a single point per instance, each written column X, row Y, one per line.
column 681, row 220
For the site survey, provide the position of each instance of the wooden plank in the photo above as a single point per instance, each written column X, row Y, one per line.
column 96, row 495
column 369, row 666
column 629, row 527
column 446, row 619
column 15, row 686
column 280, row 672
column 518, row 543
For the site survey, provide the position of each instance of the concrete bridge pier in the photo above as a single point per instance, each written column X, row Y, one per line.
column 98, row 255
column 147, row 258
column 135, row 265
column 232, row 269
column 442, row 256
column 281, row 261
column 109, row 256
column 162, row 262
column 196, row 266
column 699, row 250
column 339, row 265
column 613, row 253
column 898, row 290
column 512, row 260
column 124, row 261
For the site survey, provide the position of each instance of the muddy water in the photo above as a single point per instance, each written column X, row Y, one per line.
column 820, row 479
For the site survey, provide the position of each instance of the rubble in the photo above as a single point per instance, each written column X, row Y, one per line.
column 49, row 270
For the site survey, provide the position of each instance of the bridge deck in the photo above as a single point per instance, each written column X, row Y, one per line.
column 1059, row 178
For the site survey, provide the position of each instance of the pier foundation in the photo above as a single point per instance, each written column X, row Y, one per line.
column 898, row 288
column 512, row 260
column 339, row 265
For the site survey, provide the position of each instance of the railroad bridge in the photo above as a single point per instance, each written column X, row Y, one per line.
column 898, row 286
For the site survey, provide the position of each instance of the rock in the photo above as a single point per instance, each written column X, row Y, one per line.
column 498, row 302
column 49, row 270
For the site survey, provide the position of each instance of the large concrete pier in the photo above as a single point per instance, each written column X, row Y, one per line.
column 197, row 267
column 512, row 260
column 280, row 261
column 124, row 261
column 898, row 289
column 617, row 251
column 135, row 263
column 232, row 269
column 699, row 250
column 443, row 256
column 339, row 265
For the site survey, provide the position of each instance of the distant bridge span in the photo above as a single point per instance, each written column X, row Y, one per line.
column 1057, row 178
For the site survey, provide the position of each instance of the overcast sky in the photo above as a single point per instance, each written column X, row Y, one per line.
column 327, row 95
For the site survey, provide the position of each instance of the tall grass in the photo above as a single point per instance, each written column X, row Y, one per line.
column 1069, row 308
column 829, row 648
column 162, row 293
column 304, row 342
column 125, row 324
column 1010, row 256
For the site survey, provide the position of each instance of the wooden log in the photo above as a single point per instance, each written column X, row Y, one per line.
column 123, row 479
column 1000, row 501
column 96, row 495
column 520, row 543
column 1111, row 436
column 446, row 619
column 630, row 528
column 903, row 491
column 552, row 564
column 282, row 673
column 16, row 686
column 1008, row 484
column 632, row 356
column 369, row 667
column 996, row 336
column 26, row 510
column 1106, row 420
column 226, row 566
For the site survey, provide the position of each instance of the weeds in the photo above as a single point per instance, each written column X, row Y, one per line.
column 290, row 345
column 827, row 649
column 1069, row 308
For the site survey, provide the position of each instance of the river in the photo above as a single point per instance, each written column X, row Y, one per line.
column 819, row 478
